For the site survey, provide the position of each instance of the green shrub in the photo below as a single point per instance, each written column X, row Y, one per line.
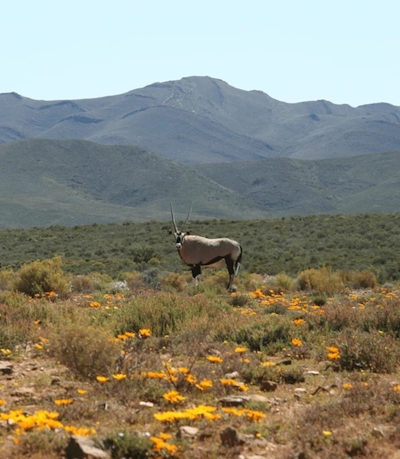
column 166, row 313
column 82, row 284
column 45, row 443
column 367, row 351
column 39, row 277
column 363, row 279
column 284, row 282
column 128, row 445
column 135, row 281
column 87, row 351
column 321, row 280
column 6, row 278
column 174, row 281
column 269, row 333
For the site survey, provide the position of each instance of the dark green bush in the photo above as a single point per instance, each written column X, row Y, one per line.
column 128, row 445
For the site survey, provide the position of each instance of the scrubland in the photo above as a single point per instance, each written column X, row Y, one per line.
column 288, row 366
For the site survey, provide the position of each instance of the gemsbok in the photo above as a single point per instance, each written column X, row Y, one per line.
column 198, row 251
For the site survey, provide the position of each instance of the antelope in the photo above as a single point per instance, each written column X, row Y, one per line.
column 198, row 251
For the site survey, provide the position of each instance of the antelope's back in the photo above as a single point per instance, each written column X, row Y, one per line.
column 200, row 249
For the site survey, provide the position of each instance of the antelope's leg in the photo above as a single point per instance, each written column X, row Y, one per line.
column 230, row 265
column 196, row 273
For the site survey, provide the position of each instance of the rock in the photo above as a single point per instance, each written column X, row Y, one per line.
column 233, row 401
column 382, row 431
column 214, row 352
column 146, row 404
column 84, row 448
column 6, row 368
column 268, row 386
column 232, row 375
column 311, row 373
column 257, row 398
column 300, row 390
column 230, row 437
column 187, row 431
column 23, row 392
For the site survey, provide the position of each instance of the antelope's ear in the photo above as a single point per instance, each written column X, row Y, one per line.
column 187, row 233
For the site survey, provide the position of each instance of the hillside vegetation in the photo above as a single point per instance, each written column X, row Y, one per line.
column 271, row 246
column 72, row 182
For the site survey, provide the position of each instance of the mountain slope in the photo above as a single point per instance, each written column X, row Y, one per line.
column 71, row 182
column 204, row 120
column 283, row 186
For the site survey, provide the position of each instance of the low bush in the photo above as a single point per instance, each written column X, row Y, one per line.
column 174, row 281
column 86, row 350
column 40, row 277
column 361, row 351
column 129, row 445
column 321, row 280
column 6, row 278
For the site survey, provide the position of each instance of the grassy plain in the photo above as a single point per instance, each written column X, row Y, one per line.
column 299, row 362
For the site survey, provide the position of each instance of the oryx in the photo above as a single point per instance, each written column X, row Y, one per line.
column 197, row 251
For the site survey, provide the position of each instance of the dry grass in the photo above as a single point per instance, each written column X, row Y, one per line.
column 130, row 363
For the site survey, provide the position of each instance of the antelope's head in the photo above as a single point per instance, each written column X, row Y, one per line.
column 179, row 235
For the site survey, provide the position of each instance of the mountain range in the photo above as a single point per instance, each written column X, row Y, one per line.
column 205, row 120
column 234, row 154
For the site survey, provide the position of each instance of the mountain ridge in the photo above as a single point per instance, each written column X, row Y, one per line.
column 205, row 120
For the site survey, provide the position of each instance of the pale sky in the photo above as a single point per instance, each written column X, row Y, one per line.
column 343, row 51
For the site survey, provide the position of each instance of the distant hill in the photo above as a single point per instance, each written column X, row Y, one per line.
column 202, row 120
column 75, row 182
column 288, row 187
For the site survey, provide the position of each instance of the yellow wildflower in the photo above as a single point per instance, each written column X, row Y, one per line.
column 80, row 431
column 160, row 445
column 102, row 379
column 119, row 376
column 333, row 353
column 214, row 359
column 94, row 304
column 155, row 374
column 191, row 379
column 64, row 401
column 240, row 350
column 145, row 332
column 174, row 397
column 130, row 334
column 204, row 384
column 299, row 321
column 268, row 364
column 296, row 342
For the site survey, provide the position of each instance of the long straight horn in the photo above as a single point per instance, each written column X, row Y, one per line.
column 173, row 218
column 190, row 210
